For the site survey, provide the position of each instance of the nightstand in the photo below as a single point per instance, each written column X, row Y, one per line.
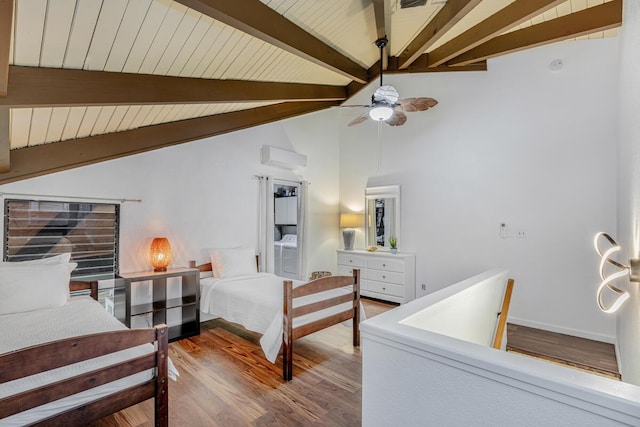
column 156, row 312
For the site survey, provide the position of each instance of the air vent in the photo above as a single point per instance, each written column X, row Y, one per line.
column 405, row 4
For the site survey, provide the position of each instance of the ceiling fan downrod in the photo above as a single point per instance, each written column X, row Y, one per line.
column 381, row 43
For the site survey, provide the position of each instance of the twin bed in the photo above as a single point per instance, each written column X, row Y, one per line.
column 72, row 363
column 282, row 311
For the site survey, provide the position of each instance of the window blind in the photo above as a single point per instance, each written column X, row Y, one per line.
column 39, row 229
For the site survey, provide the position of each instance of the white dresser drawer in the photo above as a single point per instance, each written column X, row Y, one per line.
column 386, row 276
column 385, row 288
column 345, row 270
column 386, row 264
column 352, row 260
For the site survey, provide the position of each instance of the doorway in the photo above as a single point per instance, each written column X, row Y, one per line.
column 285, row 229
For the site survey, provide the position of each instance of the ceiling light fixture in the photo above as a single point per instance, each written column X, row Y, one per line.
column 632, row 270
column 380, row 111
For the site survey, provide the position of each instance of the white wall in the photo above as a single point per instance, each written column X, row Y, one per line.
column 518, row 144
column 628, row 232
column 201, row 194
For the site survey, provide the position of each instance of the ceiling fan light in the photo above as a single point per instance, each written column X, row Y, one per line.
column 381, row 113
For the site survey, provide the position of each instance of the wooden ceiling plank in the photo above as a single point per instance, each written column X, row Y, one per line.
column 48, row 158
column 48, row 87
column 587, row 21
column 511, row 16
column 447, row 17
column 259, row 20
column 5, row 141
column 6, row 24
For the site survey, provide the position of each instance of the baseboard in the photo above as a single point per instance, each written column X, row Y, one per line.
column 567, row 331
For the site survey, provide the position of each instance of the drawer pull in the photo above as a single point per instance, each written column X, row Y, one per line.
column 350, row 260
column 384, row 289
column 384, row 265
column 384, row 277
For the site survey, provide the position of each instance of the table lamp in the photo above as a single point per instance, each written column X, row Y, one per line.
column 160, row 253
column 348, row 221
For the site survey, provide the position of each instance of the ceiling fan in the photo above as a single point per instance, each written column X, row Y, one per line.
column 386, row 105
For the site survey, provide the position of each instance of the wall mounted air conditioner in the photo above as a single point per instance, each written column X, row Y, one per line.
column 279, row 157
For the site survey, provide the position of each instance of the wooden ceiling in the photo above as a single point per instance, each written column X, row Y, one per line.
column 82, row 81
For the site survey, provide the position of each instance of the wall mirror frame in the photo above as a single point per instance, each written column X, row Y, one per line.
column 382, row 214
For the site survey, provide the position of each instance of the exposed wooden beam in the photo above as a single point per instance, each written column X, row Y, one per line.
column 5, row 142
column 587, row 21
column 379, row 13
column 450, row 14
column 50, row 87
column 354, row 87
column 6, row 22
column 48, row 158
column 259, row 20
column 498, row 23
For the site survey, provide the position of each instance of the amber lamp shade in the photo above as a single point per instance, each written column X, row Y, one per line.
column 160, row 254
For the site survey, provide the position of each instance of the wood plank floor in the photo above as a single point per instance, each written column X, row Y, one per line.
column 225, row 380
column 593, row 356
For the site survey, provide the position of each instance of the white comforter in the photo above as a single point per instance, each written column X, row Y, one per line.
column 255, row 302
column 80, row 316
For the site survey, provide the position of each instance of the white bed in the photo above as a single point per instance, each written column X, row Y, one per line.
column 255, row 302
column 66, row 361
column 281, row 310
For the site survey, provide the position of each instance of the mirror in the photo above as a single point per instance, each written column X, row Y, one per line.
column 382, row 214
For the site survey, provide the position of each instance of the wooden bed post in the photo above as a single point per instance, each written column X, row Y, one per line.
column 162, row 387
column 356, row 307
column 287, row 339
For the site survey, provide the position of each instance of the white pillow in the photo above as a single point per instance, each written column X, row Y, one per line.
column 34, row 287
column 57, row 259
column 232, row 262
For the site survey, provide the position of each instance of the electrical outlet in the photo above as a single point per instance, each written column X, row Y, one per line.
column 424, row 287
column 521, row 234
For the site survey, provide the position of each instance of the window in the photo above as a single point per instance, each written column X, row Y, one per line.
column 38, row 229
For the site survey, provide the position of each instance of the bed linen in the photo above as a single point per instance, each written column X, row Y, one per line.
column 255, row 302
column 80, row 316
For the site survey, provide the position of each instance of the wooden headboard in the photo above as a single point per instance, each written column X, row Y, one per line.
column 78, row 285
column 208, row 267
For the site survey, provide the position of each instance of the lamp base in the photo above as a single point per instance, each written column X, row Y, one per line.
column 159, row 269
column 348, row 235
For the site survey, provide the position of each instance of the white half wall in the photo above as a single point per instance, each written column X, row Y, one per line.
column 519, row 144
column 202, row 194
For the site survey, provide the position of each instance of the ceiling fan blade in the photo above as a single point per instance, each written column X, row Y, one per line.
column 411, row 105
column 398, row 119
column 360, row 119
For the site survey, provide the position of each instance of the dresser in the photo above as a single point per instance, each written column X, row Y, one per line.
column 382, row 275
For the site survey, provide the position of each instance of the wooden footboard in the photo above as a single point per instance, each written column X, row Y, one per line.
column 72, row 350
column 291, row 333
column 60, row 353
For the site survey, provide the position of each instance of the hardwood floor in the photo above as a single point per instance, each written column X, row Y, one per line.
column 592, row 356
column 226, row 381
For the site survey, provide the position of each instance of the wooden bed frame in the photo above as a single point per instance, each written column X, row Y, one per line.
column 290, row 313
column 64, row 352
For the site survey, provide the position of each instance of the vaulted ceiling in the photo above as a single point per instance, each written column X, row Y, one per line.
column 82, row 81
